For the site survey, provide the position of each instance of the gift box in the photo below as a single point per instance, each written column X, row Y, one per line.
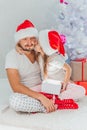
column 51, row 86
column 79, row 70
column 84, row 84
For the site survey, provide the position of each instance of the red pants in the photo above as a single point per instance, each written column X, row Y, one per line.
column 62, row 104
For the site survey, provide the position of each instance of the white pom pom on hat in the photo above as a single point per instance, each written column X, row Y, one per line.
column 25, row 29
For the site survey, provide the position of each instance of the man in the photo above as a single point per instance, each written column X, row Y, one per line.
column 24, row 73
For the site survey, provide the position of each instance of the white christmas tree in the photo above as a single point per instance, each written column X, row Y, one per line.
column 70, row 19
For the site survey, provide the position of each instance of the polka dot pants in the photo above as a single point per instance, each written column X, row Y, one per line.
column 24, row 103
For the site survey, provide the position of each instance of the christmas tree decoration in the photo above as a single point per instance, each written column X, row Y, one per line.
column 70, row 20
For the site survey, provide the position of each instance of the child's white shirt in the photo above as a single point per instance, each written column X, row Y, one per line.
column 54, row 68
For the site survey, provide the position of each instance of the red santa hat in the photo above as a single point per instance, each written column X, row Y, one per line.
column 51, row 42
column 25, row 29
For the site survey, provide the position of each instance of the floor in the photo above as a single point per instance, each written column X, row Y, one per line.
column 59, row 120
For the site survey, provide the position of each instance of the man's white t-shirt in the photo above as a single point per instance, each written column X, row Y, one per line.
column 29, row 72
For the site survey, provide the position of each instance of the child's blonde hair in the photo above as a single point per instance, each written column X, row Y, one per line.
column 45, row 62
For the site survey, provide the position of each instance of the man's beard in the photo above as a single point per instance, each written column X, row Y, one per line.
column 28, row 50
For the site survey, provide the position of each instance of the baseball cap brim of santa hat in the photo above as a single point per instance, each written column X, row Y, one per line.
column 44, row 42
column 26, row 29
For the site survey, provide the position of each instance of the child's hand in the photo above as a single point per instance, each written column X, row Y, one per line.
column 64, row 86
column 38, row 48
column 19, row 49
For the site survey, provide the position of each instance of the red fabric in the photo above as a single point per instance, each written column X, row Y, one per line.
column 24, row 25
column 62, row 104
column 56, row 42
column 68, row 106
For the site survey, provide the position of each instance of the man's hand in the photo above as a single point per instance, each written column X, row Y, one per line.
column 47, row 103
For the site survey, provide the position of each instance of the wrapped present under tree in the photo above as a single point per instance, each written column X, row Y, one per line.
column 79, row 70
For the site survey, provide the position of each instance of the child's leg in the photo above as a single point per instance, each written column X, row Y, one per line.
column 73, row 91
column 24, row 103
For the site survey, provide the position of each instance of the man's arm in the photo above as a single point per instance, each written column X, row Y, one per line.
column 14, row 79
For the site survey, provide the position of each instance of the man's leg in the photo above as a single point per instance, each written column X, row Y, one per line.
column 24, row 103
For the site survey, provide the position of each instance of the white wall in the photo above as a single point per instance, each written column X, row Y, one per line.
column 12, row 13
column 5, row 91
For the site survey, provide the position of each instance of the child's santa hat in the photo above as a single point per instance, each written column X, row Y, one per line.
column 51, row 42
column 25, row 29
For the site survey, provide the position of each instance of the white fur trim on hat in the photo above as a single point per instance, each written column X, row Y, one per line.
column 44, row 42
column 28, row 32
